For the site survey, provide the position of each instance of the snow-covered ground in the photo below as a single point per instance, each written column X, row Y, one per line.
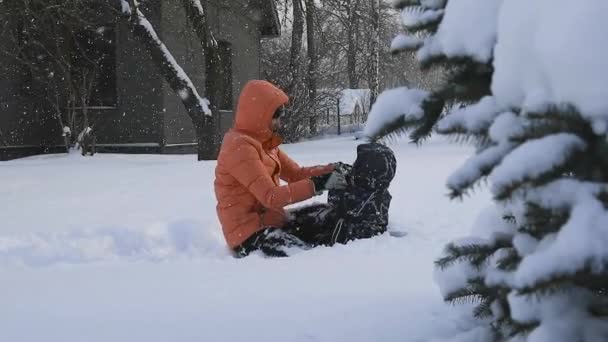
column 128, row 248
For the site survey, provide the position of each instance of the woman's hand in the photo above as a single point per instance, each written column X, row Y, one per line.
column 342, row 167
column 329, row 181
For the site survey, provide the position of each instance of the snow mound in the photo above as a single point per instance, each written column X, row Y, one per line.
column 156, row 243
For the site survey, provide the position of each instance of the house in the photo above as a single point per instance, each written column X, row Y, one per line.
column 351, row 105
column 131, row 108
column 355, row 103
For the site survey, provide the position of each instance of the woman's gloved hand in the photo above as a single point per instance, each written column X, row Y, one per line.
column 329, row 181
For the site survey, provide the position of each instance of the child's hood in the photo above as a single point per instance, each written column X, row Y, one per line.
column 375, row 166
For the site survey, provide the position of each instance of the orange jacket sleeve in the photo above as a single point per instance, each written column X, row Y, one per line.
column 292, row 172
column 247, row 168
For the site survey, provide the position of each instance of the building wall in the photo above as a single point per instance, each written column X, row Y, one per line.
column 237, row 27
column 8, row 98
column 24, row 129
column 232, row 24
column 137, row 117
column 188, row 52
column 147, row 110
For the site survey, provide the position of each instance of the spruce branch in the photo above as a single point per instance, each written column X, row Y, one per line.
column 476, row 254
column 540, row 221
column 419, row 129
column 510, row 261
column 505, row 191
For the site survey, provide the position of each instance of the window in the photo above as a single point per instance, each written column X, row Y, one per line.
column 225, row 81
column 94, row 62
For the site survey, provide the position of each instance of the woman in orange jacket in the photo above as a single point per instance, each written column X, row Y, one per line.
column 250, row 165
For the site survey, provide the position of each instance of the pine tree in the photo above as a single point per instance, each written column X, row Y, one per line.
column 538, row 269
column 466, row 81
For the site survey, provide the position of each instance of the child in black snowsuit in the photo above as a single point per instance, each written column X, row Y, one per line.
column 361, row 210
column 357, row 212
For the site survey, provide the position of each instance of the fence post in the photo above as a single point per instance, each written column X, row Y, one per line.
column 327, row 116
column 339, row 116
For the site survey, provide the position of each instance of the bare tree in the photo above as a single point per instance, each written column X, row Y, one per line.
column 312, row 59
column 196, row 106
column 197, row 10
column 275, row 68
column 296, row 44
column 55, row 59
column 353, row 40
column 374, row 70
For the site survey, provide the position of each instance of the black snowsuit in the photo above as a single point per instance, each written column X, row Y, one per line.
column 357, row 212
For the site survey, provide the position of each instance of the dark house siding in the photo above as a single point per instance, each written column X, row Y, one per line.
column 137, row 117
column 22, row 131
column 187, row 50
column 237, row 28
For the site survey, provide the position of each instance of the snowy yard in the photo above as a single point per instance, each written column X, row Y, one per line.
column 128, row 248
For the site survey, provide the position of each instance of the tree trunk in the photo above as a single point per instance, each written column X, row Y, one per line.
column 196, row 107
column 296, row 44
column 375, row 51
column 197, row 13
column 312, row 60
column 351, row 59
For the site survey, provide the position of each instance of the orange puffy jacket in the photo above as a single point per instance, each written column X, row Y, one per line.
column 250, row 166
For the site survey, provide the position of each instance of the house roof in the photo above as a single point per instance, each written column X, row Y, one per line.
column 270, row 26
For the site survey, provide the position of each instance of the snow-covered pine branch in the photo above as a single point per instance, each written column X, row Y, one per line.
column 544, row 127
column 416, row 17
column 399, row 105
column 434, row 4
column 476, row 168
column 534, row 160
column 476, row 118
column 468, row 29
column 469, row 49
column 404, row 42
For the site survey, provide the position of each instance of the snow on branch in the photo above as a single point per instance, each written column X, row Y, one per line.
column 476, row 168
column 413, row 17
column 125, row 7
column 475, row 118
column 435, row 4
column 505, row 127
column 534, row 159
column 198, row 6
column 468, row 29
column 564, row 193
column 553, row 55
column 579, row 245
column 394, row 105
column 403, row 42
